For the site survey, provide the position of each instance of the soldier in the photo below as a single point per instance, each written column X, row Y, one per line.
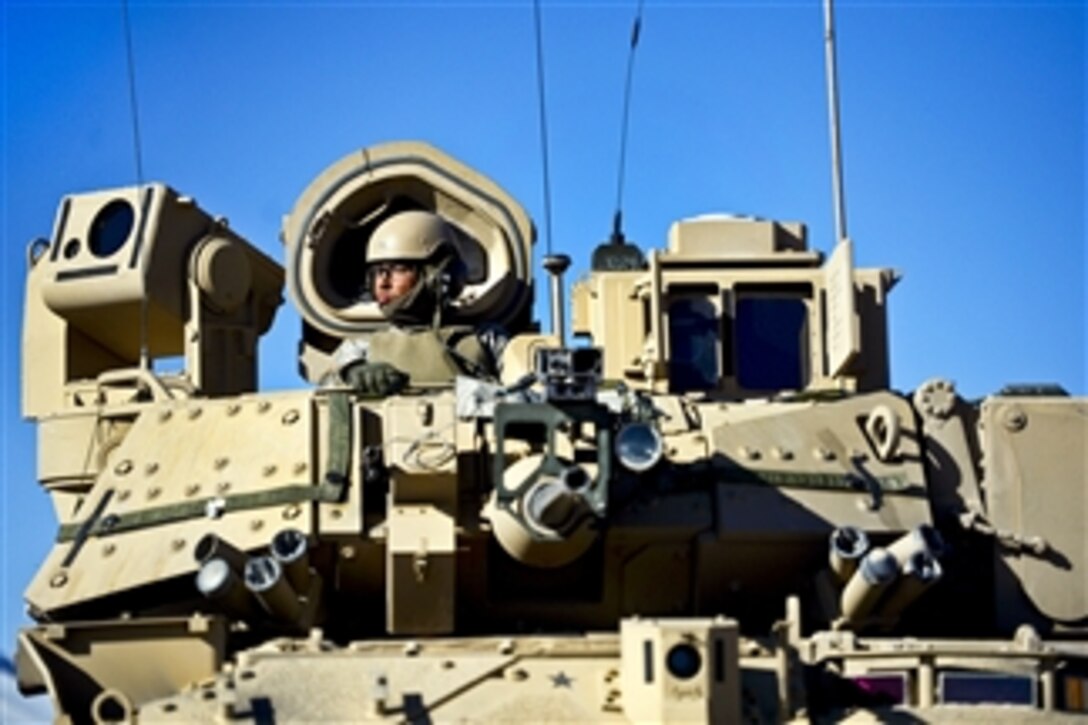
column 414, row 273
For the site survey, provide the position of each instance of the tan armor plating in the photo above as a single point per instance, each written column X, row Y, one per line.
column 633, row 533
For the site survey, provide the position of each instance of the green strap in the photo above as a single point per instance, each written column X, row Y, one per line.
column 173, row 513
column 334, row 486
column 462, row 362
column 811, row 479
column 82, row 530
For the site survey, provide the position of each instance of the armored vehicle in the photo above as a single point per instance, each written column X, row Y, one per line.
column 711, row 509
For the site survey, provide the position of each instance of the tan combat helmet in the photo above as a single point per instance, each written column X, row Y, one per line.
column 424, row 239
column 411, row 236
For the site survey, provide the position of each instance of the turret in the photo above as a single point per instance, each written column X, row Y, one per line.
column 327, row 232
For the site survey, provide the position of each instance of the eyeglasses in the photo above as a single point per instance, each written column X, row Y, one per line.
column 391, row 269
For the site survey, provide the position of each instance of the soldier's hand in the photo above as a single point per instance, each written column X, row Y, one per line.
column 374, row 378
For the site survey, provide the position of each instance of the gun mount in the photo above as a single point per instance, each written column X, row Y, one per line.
column 717, row 512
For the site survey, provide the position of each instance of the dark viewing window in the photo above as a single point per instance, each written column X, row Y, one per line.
column 693, row 345
column 771, row 343
column 111, row 228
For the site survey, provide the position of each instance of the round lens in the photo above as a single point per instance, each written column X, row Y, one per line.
column 111, row 228
column 683, row 661
column 638, row 446
column 213, row 577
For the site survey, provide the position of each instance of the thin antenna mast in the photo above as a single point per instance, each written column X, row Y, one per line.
column 555, row 264
column 145, row 356
column 133, row 105
column 833, row 117
column 617, row 218
column 543, row 124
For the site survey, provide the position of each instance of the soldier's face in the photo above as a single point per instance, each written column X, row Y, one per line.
column 392, row 280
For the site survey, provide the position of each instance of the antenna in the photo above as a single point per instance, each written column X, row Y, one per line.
column 133, row 105
column 843, row 338
column 543, row 125
column 833, row 117
column 145, row 356
column 617, row 218
column 555, row 264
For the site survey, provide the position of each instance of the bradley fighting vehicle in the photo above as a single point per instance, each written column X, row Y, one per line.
column 714, row 511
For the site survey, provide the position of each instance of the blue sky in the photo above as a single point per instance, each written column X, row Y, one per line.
column 963, row 132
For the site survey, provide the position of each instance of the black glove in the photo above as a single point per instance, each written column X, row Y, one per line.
column 374, row 378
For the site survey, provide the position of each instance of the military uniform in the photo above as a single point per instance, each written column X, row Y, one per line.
column 418, row 346
column 427, row 355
